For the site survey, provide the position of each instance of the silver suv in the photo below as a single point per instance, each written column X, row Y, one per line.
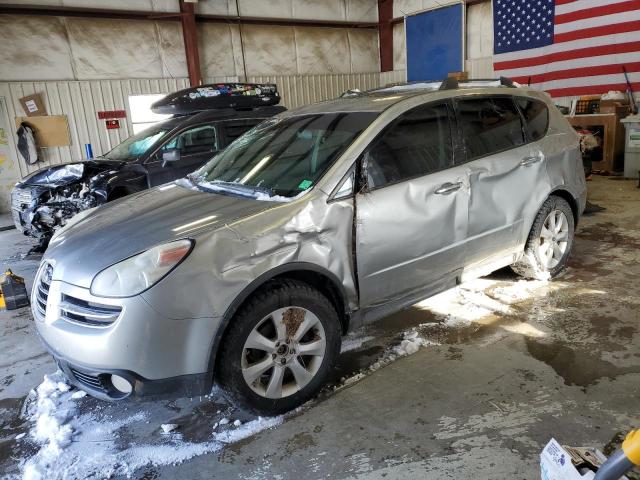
column 327, row 217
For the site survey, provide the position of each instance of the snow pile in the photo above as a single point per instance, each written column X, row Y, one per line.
column 73, row 444
column 167, row 428
column 410, row 344
column 51, row 429
column 352, row 342
column 248, row 429
column 518, row 291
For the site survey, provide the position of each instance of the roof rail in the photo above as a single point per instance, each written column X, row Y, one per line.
column 451, row 83
column 353, row 92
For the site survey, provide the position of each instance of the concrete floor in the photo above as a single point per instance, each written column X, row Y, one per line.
column 561, row 361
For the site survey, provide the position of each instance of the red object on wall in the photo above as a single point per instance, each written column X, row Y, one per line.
column 111, row 124
column 112, row 114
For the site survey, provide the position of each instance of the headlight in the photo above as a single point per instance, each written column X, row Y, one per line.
column 140, row 272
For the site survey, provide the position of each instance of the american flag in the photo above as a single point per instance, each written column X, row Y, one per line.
column 568, row 47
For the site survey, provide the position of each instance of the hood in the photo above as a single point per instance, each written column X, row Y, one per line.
column 135, row 223
column 68, row 173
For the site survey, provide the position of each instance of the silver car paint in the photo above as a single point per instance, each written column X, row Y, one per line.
column 409, row 237
column 172, row 328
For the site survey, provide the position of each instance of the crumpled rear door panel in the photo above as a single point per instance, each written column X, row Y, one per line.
column 505, row 187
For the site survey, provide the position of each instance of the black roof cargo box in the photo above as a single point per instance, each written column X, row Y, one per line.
column 217, row 96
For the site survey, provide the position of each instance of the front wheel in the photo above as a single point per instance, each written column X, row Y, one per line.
column 550, row 240
column 280, row 348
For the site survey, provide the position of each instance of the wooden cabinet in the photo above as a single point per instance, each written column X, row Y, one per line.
column 613, row 136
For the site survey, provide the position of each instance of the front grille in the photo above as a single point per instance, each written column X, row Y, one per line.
column 76, row 310
column 42, row 292
column 72, row 309
column 90, row 381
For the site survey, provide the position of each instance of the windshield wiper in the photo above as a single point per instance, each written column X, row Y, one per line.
column 229, row 186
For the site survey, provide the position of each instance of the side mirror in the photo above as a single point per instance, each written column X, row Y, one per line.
column 170, row 155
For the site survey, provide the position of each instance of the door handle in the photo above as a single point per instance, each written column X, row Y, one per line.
column 447, row 188
column 526, row 161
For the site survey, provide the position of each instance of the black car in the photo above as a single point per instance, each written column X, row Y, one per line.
column 168, row 150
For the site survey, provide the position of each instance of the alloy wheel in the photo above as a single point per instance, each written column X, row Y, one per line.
column 554, row 239
column 283, row 352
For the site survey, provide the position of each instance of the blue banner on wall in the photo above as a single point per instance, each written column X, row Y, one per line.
column 434, row 43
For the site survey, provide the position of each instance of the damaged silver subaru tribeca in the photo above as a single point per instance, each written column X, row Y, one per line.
column 327, row 217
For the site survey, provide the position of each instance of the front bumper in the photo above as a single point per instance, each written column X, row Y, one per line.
column 157, row 355
column 98, row 382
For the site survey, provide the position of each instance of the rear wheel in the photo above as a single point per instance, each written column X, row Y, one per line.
column 550, row 240
column 280, row 348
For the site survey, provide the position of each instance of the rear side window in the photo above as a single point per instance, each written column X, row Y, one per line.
column 234, row 129
column 201, row 139
column 536, row 116
column 489, row 125
column 417, row 143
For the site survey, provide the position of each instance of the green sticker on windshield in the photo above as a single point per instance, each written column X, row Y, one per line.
column 304, row 184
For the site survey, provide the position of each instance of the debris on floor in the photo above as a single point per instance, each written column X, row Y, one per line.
column 13, row 292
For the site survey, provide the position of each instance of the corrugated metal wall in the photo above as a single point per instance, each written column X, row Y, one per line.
column 394, row 76
column 80, row 100
column 298, row 90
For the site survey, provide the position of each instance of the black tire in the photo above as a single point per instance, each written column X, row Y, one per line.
column 531, row 265
column 275, row 295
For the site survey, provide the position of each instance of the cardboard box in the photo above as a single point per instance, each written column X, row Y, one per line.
column 33, row 105
column 50, row 131
column 615, row 106
column 555, row 464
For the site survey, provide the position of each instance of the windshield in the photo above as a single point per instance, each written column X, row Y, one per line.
column 282, row 158
column 135, row 146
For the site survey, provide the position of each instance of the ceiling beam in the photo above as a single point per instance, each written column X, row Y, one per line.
column 45, row 10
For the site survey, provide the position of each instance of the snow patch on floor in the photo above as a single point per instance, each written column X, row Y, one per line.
column 473, row 301
column 409, row 344
column 518, row 291
column 479, row 299
column 351, row 342
column 73, row 444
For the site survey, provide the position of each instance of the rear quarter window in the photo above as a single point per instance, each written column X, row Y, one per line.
column 536, row 116
column 489, row 125
column 235, row 128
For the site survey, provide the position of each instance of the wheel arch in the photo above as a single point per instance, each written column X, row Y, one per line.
column 570, row 199
column 318, row 277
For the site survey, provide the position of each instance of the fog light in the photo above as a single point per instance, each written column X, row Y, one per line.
column 121, row 384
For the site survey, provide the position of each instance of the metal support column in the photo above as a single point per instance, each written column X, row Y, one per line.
column 385, row 33
column 190, row 35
